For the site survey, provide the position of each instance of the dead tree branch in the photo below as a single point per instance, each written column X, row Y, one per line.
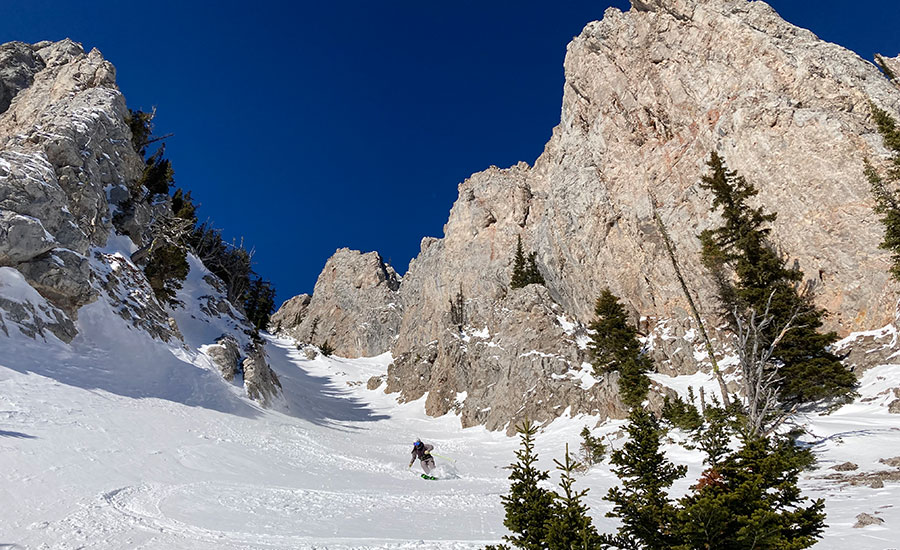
column 670, row 249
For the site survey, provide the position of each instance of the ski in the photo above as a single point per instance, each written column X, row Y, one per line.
column 431, row 478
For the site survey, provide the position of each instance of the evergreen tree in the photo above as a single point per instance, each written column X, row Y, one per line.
column 532, row 274
column 750, row 499
column 525, row 270
column 230, row 262
column 520, row 274
column 166, row 269
column 681, row 414
column 570, row 528
column 141, row 126
column 528, row 506
column 158, row 174
column 259, row 303
column 614, row 346
column 884, row 188
column 592, row 449
column 714, row 438
column 752, row 277
column 327, row 349
column 641, row 502
column 183, row 206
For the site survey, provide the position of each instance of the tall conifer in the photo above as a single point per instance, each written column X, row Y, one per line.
column 749, row 273
column 884, row 188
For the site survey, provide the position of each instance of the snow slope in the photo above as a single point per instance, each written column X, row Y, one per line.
column 119, row 441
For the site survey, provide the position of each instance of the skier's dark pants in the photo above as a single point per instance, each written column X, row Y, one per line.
column 428, row 464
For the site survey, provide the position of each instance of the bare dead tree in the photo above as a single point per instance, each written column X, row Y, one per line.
column 760, row 374
column 670, row 249
column 166, row 230
column 231, row 262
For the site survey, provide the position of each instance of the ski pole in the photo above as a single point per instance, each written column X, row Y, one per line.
column 444, row 457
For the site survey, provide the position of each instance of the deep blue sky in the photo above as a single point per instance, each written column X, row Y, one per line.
column 309, row 126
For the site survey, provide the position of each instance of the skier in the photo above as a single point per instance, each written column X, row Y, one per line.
column 422, row 451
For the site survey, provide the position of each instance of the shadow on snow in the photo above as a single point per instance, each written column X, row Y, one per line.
column 126, row 362
column 19, row 435
column 115, row 358
column 316, row 399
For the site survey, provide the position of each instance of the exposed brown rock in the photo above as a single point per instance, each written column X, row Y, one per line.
column 864, row 519
column 845, row 467
column 355, row 307
column 646, row 100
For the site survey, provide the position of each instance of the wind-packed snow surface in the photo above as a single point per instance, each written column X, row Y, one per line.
column 118, row 441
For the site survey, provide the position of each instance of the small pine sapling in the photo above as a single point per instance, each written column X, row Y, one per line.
column 591, row 450
column 570, row 528
column 641, row 501
column 529, row 507
column 682, row 414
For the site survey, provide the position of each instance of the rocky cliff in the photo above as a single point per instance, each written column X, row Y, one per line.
column 354, row 307
column 67, row 167
column 649, row 93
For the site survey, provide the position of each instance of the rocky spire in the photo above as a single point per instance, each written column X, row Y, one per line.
column 649, row 94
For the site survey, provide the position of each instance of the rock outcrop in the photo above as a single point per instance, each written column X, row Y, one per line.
column 63, row 143
column 649, row 94
column 355, row 307
column 518, row 347
column 226, row 354
column 19, row 63
column 290, row 314
column 891, row 67
column 260, row 381
column 69, row 179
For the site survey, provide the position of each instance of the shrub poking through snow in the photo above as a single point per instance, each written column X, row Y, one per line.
column 591, row 450
column 326, row 349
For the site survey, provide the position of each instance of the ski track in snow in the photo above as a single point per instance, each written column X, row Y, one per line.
column 86, row 467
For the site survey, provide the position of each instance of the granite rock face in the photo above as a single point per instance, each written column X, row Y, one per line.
column 67, row 170
column 355, row 307
column 892, row 66
column 18, row 65
column 649, row 94
column 63, row 143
